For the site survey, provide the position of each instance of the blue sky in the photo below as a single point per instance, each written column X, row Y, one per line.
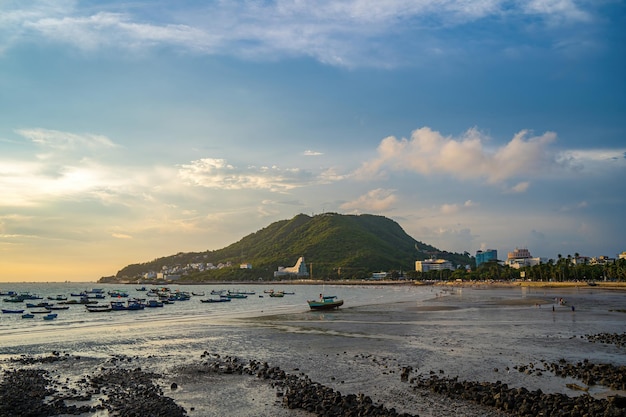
column 134, row 130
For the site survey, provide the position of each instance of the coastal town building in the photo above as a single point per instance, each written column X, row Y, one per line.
column 520, row 258
column 622, row 255
column 299, row 270
column 245, row 266
column 433, row 265
column 601, row 260
column 379, row 275
column 483, row 256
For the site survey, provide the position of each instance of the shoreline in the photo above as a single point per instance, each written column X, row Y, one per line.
column 439, row 355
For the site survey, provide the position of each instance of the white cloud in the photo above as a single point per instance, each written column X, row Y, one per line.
column 312, row 153
column 455, row 208
column 520, row 187
column 556, row 10
column 346, row 33
column 377, row 200
column 121, row 236
column 66, row 141
column 218, row 174
column 430, row 153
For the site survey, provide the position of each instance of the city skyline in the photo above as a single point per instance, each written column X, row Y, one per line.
column 135, row 130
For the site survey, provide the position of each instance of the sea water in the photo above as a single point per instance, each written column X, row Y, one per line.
column 474, row 333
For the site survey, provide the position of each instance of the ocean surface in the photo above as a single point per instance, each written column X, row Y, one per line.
column 475, row 333
column 77, row 321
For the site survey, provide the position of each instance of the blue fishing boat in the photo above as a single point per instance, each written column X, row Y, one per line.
column 50, row 316
column 28, row 316
column 154, row 303
column 216, row 300
column 11, row 311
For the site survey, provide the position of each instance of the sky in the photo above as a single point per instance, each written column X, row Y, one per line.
column 132, row 130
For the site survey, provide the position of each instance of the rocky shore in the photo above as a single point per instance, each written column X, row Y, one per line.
column 44, row 386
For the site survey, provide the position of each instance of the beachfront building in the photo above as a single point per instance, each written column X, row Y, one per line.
column 520, row 258
column 379, row 275
column 433, row 265
column 299, row 270
column 245, row 266
column 601, row 260
column 483, row 256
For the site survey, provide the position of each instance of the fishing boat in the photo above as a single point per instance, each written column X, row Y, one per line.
column 98, row 308
column 198, row 294
column 50, row 316
column 277, row 294
column 154, row 303
column 216, row 300
column 233, row 295
column 325, row 302
column 40, row 311
column 28, row 316
column 11, row 311
column 57, row 307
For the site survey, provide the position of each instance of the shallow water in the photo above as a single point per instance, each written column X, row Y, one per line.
column 478, row 334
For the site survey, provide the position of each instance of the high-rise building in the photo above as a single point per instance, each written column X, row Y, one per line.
column 483, row 256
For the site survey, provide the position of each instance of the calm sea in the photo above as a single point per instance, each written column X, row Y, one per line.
column 474, row 333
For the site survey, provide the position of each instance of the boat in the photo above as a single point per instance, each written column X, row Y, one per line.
column 277, row 294
column 11, row 311
column 38, row 305
column 154, row 303
column 198, row 294
column 233, row 295
column 325, row 302
column 216, row 300
column 98, row 308
column 59, row 297
column 57, row 307
column 130, row 305
column 28, row 316
column 40, row 311
column 50, row 316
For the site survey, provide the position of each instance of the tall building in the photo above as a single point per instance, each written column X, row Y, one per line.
column 485, row 256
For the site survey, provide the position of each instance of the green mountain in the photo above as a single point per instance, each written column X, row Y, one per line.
column 333, row 245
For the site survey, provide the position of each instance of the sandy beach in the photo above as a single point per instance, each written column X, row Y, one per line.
column 403, row 357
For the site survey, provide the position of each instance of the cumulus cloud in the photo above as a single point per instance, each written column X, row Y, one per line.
column 377, row 200
column 218, row 174
column 309, row 152
column 428, row 152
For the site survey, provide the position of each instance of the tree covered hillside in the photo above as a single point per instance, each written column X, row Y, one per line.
column 335, row 245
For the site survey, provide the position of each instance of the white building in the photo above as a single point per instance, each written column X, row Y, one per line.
column 433, row 265
column 299, row 269
column 520, row 258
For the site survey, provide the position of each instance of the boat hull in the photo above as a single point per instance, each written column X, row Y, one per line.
column 324, row 305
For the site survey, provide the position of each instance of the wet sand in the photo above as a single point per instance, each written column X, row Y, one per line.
column 475, row 335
